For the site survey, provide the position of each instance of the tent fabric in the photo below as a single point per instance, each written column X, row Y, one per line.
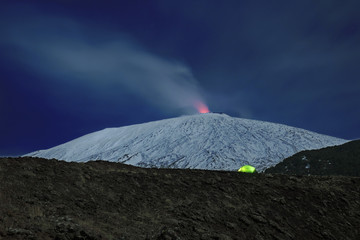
column 247, row 169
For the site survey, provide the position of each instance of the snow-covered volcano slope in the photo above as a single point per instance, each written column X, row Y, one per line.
column 203, row 141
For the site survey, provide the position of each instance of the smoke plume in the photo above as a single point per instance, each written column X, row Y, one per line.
column 65, row 50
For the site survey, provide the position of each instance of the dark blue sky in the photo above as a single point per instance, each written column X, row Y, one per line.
column 69, row 68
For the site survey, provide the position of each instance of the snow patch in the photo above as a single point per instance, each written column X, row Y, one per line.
column 202, row 141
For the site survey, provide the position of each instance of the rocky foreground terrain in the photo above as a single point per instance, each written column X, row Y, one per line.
column 51, row 199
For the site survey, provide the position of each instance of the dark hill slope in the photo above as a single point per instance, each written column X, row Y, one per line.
column 338, row 160
column 50, row 199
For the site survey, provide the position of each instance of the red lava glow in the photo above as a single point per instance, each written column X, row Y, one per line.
column 201, row 107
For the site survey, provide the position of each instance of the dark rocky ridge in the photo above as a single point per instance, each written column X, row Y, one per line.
column 50, row 199
column 338, row 160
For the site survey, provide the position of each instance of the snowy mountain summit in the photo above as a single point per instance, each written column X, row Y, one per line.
column 202, row 141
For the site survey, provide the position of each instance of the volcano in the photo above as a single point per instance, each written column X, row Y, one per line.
column 202, row 141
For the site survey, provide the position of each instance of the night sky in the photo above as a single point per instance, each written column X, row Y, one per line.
column 68, row 68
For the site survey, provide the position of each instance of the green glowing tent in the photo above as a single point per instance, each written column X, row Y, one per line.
column 247, row 169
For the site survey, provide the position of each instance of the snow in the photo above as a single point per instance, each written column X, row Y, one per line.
column 202, row 141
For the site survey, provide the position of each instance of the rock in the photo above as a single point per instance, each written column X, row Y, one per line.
column 19, row 231
column 171, row 221
column 230, row 225
column 221, row 236
column 258, row 218
column 245, row 220
column 167, row 234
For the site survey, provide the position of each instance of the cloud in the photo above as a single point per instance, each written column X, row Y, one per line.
column 67, row 51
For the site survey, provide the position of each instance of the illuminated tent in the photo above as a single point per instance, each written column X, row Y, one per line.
column 247, row 169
